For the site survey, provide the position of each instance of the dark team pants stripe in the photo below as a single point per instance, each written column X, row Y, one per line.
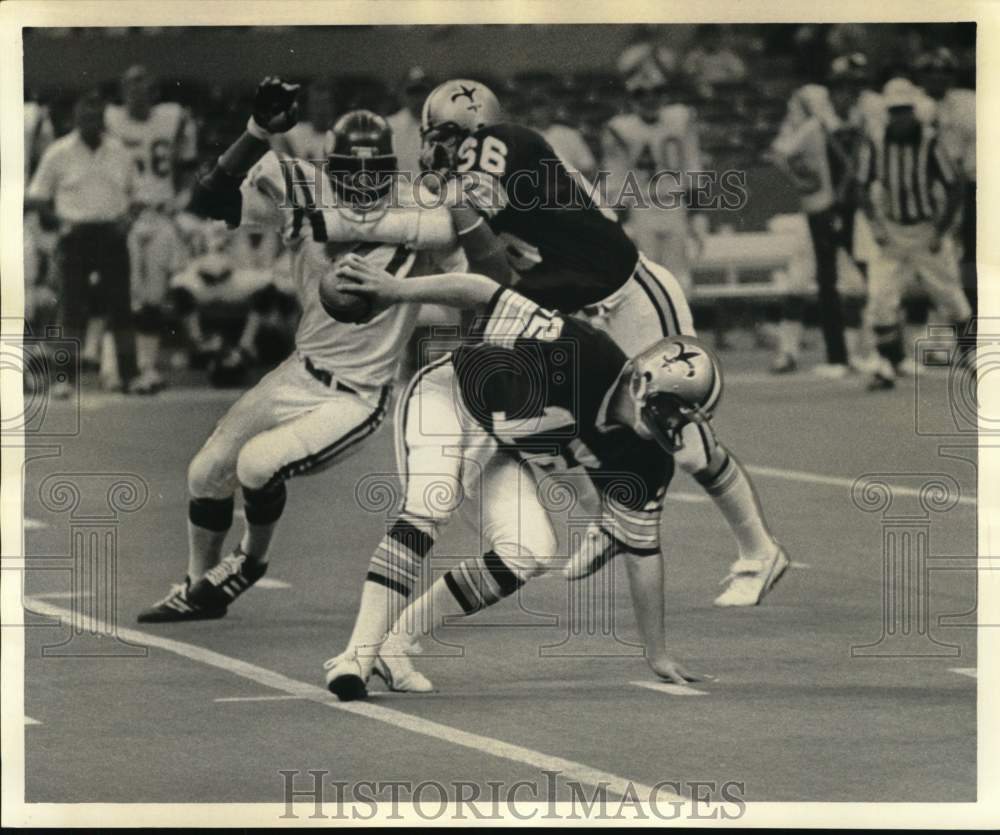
column 481, row 582
column 338, row 447
column 659, row 298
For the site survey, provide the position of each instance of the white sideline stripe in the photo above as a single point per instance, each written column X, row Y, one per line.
column 34, row 524
column 62, row 595
column 29, row 721
column 271, row 583
column 834, row 481
column 752, row 378
column 670, row 689
column 965, row 671
column 257, row 698
column 268, row 678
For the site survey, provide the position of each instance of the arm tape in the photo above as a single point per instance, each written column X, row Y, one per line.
column 217, row 195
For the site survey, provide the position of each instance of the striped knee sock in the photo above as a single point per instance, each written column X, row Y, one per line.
column 480, row 582
column 393, row 571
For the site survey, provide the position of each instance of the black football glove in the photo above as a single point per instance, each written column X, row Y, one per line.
column 275, row 108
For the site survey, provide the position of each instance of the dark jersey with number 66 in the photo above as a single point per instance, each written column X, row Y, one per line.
column 568, row 252
column 539, row 383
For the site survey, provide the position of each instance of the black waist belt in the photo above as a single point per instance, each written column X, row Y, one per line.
column 325, row 377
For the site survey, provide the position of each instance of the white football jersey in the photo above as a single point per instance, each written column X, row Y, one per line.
column 362, row 354
column 669, row 144
column 956, row 125
column 168, row 135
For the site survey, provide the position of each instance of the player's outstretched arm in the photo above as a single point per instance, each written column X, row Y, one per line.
column 486, row 253
column 275, row 110
column 461, row 290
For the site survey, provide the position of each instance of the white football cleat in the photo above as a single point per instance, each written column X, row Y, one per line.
column 347, row 676
column 394, row 667
column 750, row 580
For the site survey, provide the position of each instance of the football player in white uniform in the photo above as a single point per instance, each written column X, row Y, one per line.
column 162, row 141
column 332, row 392
column 652, row 151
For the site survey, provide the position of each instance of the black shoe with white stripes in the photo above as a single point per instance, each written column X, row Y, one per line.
column 228, row 580
column 177, row 606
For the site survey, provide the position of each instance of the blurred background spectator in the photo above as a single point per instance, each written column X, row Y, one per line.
column 84, row 187
column 734, row 84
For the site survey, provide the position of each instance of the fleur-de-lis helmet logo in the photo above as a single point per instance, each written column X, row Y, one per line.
column 683, row 356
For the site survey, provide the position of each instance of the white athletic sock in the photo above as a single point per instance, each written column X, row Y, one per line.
column 147, row 349
column 204, row 550
column 93, row 339
column 262, row 509
column 109, row 359
column 208, row 524
column 790, row 337
column 734, row 495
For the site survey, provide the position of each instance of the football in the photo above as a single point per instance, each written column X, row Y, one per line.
column 344, row 307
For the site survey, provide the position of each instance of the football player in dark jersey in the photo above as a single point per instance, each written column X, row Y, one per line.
column 523, row 220
column 621, row 421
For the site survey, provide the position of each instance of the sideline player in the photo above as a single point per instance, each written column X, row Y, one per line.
column 655, row 147
column 621, row 420
column 332, row 393
column 162, row 141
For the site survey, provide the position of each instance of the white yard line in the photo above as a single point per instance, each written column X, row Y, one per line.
column 669, row 689
column 272, row 583
column 964, row 671
column 570, row 770
column 834, row 481
column 257, row 698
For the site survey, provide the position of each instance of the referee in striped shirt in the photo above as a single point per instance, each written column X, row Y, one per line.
column 911, row 194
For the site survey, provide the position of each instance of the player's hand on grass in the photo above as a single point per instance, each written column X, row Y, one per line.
column 275, row 106
column 360, row 276
column 671, row 671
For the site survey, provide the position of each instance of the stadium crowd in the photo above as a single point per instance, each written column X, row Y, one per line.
column 153, row 292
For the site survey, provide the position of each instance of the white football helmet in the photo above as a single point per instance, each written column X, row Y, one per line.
column 673, row 382
column 451, row 112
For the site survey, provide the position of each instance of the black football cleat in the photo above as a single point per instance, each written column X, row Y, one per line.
column 178, row 606
column 228, row 580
